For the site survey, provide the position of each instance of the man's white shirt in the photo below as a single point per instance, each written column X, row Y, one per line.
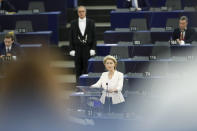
column 8, row 48
column 82, row 25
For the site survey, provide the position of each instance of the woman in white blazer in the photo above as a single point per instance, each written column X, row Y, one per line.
column 112, row 83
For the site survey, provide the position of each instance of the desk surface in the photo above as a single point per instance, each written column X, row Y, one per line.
column 149, row 49
column 157, row 3
column 43, row 13
column 144, row 59
column 31, row 33
column 135, row 82
column 120, row 19
column 145, row 45
column 42, row 37
column 48, row 21
column 157, row 67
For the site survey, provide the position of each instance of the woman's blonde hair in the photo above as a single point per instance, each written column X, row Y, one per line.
column 109, row 57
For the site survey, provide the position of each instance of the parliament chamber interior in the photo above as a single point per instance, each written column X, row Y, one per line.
column 91, row 65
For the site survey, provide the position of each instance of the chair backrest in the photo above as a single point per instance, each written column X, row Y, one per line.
column 139, row 23
column 91, row 74
column 174, row 4
column 143, row 37
column 119, row 52
column 126, row 86
column 195, row 28
column 27, row 25
column 99, row 58
column 157, row 68
column 37, row 5
column 194, row 42
column 161, row 50
column 189, row 3
column 189, row 8
column 1, row 29
column 1, row 37
column 172, row 22
column 121, row 67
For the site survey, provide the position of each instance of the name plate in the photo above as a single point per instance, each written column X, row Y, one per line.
column 116, row 56
column 6, row 58
column 21, row 30
column 146, row 74
column 152, row 57
column 2, row 12
column 137, row 42
column 36, row 11
column 169, row 28
column 164, row 8
column 190, row 58
column 173, row 42
column 133, row 28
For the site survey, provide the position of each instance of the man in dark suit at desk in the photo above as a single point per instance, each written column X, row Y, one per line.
column 9, row 47
column 82, row 41
column 139, row 4
column 183, row 34
column 7, row 6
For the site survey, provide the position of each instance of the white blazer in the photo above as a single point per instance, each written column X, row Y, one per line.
column 115, row 82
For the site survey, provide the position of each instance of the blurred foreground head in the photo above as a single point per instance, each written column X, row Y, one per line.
column 30, row 97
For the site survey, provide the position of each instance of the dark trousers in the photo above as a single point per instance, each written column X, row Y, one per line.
column 81, row 60
column 108, row 107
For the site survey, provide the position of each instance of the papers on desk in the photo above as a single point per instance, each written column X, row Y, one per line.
column 10, row 13
column 182, row 42
column 79, row 93
column 111, row 44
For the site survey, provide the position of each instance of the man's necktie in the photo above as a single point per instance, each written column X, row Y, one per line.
column 181, row 36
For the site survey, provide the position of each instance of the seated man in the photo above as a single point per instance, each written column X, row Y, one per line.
column 9, row 47
column 183, row 34
column 5, row 5
column 139, row 4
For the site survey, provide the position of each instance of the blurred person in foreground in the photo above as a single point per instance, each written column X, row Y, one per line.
column 30, row 97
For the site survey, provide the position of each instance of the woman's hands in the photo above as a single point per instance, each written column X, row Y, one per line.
column 112, row 90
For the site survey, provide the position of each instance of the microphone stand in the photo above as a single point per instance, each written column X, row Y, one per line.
column 109, row 106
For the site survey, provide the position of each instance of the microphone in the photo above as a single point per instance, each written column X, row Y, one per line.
column 107, row 88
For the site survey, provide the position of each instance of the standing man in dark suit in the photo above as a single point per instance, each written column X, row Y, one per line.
column 183, row 34
column 82, row 41
column 139, row 4
column 7, row 6
column 9, row 47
